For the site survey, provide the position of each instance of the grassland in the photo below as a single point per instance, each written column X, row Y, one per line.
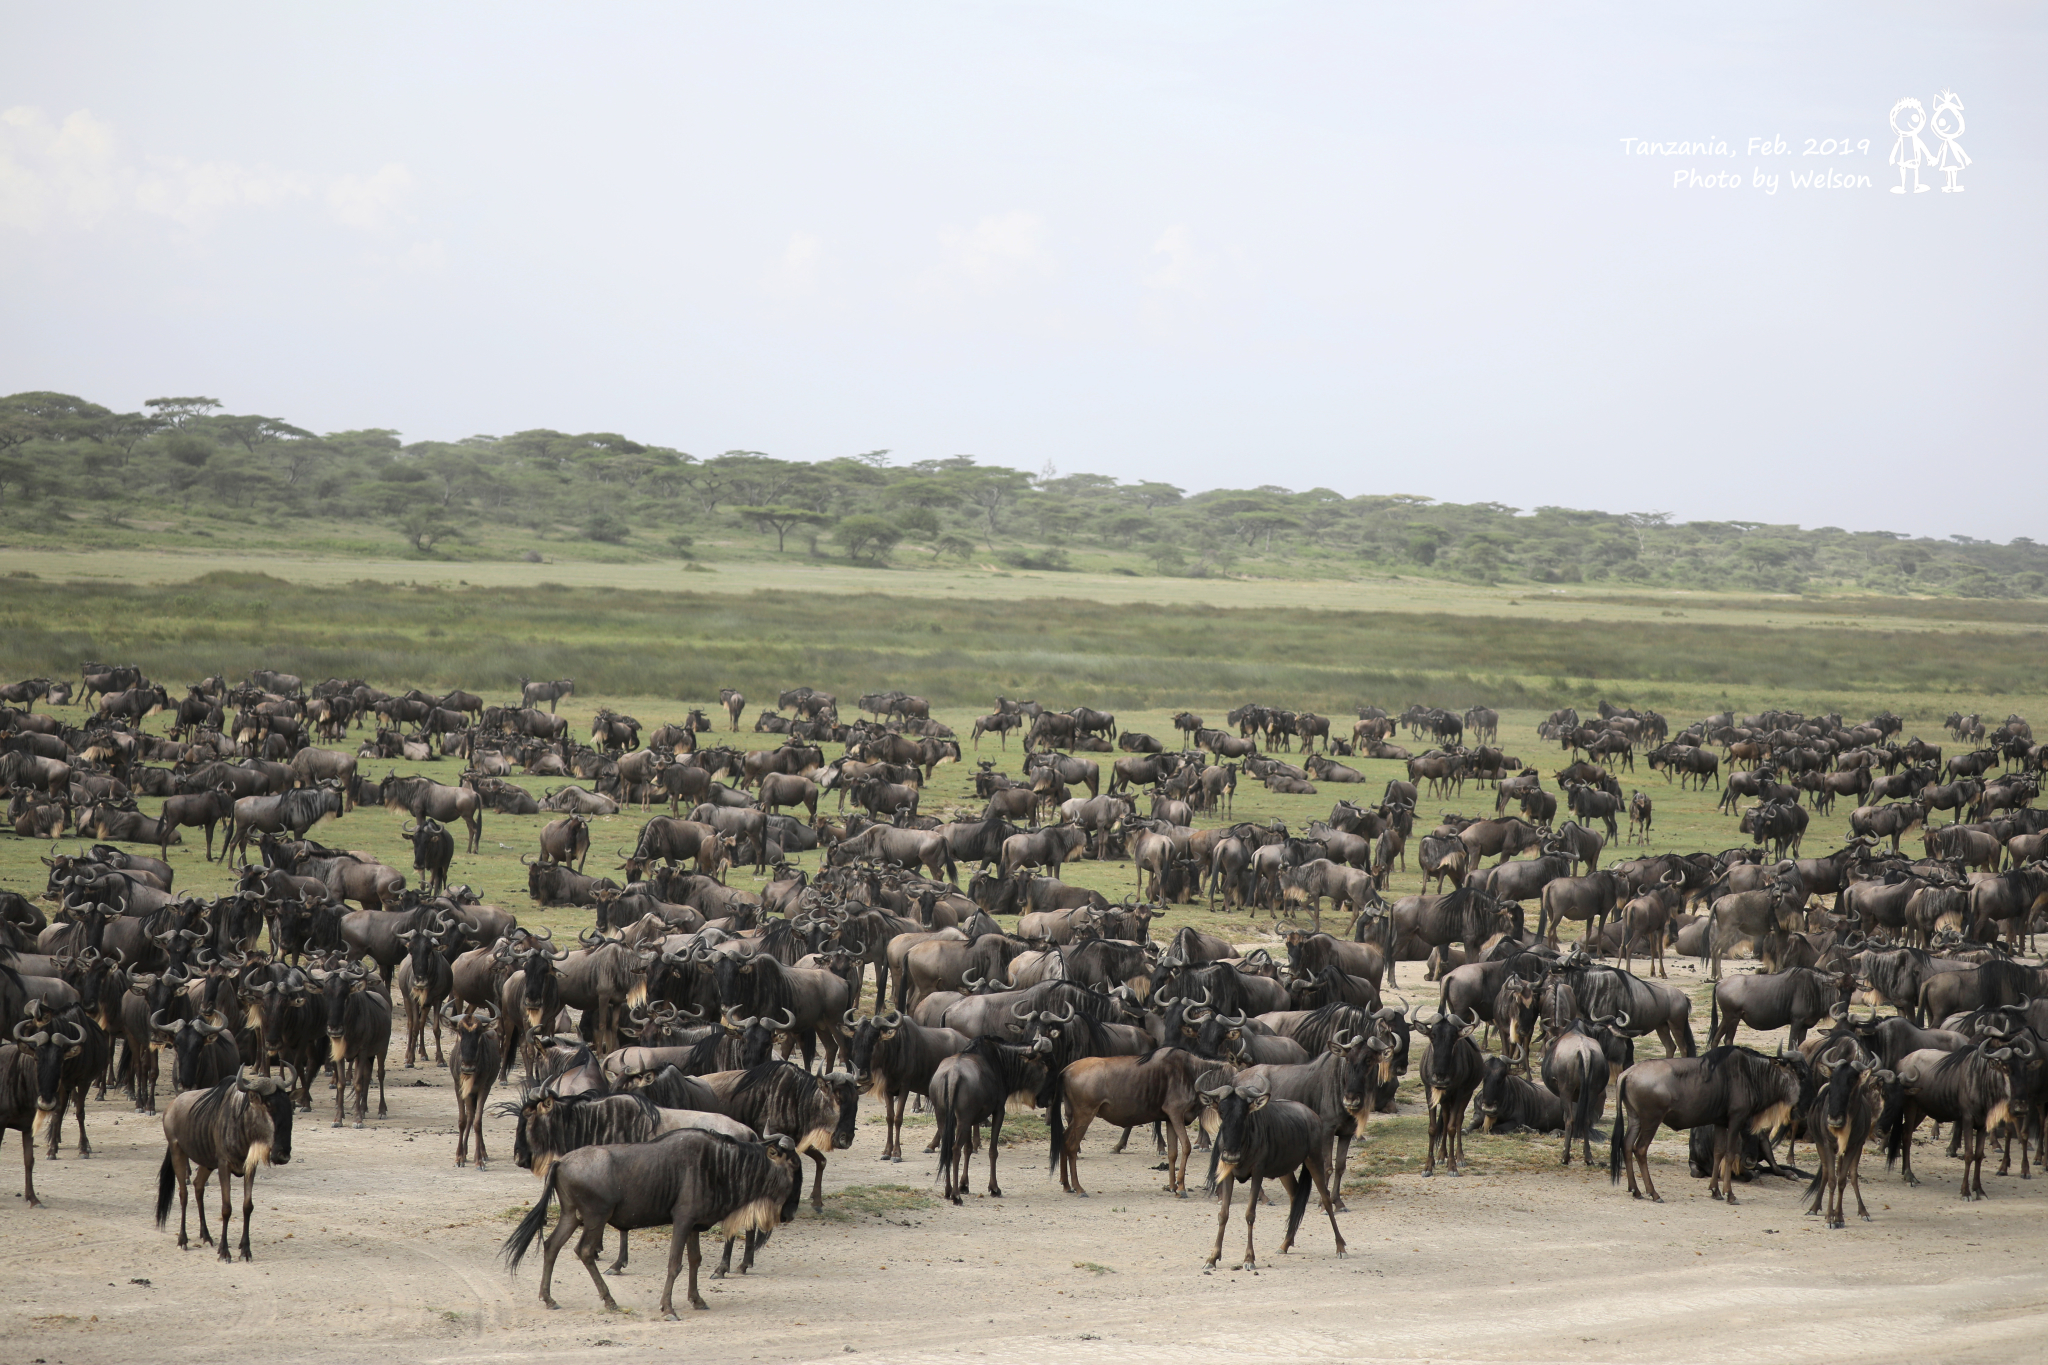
column 655, row 654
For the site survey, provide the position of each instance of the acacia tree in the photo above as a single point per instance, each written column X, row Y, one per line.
column 782, row 519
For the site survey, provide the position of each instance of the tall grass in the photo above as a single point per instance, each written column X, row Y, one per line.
column 961, row 653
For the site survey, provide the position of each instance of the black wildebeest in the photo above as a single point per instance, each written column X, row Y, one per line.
column 236, row 1128
column 1731, row 1089
column 1260, row 1138
column 688, row 1180
column 433, row 848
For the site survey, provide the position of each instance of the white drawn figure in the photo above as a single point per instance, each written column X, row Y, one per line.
column 1909, row 151
column 1948, row 126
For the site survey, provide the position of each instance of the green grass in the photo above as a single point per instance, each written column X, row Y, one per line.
column 875, row 1201
column 656, row 654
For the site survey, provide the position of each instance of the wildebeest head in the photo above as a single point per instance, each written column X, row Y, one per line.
column 1235, row 1104
column 1368, row 1065
column 55, row 1041
column 1445, row 1032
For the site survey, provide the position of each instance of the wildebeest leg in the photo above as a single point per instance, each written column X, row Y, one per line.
column 1251, row 1218
column 28, row 1170
column 618, row 1266
column 340, row 1096
column 1855, row 1169
column 587, row 1247
column 1223, row 1194
column 78, row 1105
column 995, row 1133
column 248, row 1203
column 200, row 1180
column 725, row 1261
column 818, row 1181
column 383, row 1111
column 1177, row 1156
column 1341, row 1157
column 227, row 1212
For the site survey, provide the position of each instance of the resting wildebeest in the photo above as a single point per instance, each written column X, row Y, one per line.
column 236, row 1128
column 1260, row 1138
column 1731, row 1089
column 688, row 1180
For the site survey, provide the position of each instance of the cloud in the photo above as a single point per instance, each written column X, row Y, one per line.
column 996, row 255
column 73, row 174
column 370, row 202
column 795, row 272
column 1178, row 267
column 52, row 172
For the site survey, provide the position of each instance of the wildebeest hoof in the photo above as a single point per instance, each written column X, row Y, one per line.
column 1343, row 1255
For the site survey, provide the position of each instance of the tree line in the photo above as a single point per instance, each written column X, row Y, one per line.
column 61, row 453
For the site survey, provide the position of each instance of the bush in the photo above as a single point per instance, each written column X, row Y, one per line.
column 603, row 526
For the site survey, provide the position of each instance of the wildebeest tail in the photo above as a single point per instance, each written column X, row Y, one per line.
column 1713, row 1018
column 166, row 1186
column 1302, row 1183
column 946, row 1141
column 1592, row 1091
column 1616, row 1143
column 1055, row 1120
column 531, row 1225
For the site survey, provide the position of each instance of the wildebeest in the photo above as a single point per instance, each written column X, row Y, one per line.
column 688, row 1180
column 1124, row 1092
column 358, row 1036
column 974, row 1087
column 236, row 1128
column 473, row 1069
column 422, row 797
column 896, row 1056
column 433, row 848
column 1259, row 1138
column 1838, row 1124
column 1732, row 1090
column 297, row 810
column 1450, row 1073
column 1970, row 1087
column 18, row 1109
column 1799, row 998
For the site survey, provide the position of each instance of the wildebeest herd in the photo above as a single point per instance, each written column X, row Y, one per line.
column 700, row 1040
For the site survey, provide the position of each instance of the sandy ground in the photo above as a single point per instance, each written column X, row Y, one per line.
column 370, row 1245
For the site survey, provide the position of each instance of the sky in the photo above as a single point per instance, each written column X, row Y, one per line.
column 1375, row 248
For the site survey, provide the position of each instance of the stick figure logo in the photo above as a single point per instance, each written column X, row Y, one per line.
column 1948, row 126
column 1909, row 152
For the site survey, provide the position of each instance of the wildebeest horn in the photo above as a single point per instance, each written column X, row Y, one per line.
column 22, row 1034
column 790, row 1016
column 1621, row 1018
column 242, row 1079
column 156, row 1022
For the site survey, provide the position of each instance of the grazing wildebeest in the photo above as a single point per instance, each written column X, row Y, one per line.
column 566, row 841
column 236, row 1128
column 688, row 1180
column 1260, row 1138
column 1731, row 1089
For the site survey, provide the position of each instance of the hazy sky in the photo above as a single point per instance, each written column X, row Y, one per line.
column 1391, row 248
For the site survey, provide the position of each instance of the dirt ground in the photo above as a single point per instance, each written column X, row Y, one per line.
column 371, row 1245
